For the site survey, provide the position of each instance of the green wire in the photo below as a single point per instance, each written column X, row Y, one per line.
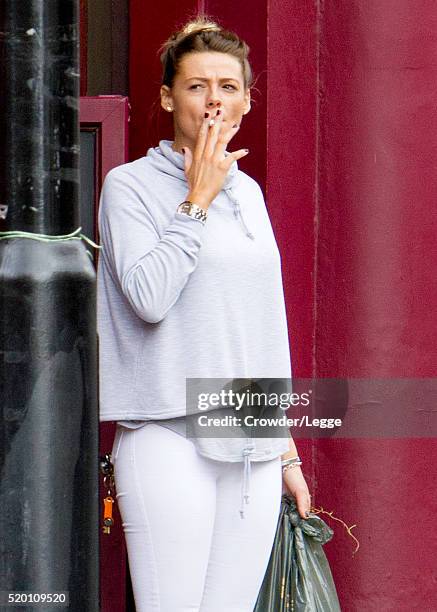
column 76, row 235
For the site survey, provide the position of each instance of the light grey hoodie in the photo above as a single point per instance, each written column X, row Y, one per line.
column 178, row 299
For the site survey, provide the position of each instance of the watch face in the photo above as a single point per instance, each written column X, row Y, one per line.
column 192, row 210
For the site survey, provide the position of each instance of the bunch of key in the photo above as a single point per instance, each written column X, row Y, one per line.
column 107, row 469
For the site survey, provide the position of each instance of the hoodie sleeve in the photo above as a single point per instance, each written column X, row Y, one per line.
column 151, row 270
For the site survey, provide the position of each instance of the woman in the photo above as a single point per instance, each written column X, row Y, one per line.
column 189, row 286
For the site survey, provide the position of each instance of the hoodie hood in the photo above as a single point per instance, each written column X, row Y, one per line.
column 171, row 162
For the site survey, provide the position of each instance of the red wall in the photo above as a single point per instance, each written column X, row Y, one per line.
column 376, row 287
column 342, row 140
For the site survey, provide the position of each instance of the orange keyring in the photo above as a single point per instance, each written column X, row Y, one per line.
column 108, row 503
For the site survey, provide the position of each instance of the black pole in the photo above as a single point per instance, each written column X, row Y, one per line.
column 49, row 513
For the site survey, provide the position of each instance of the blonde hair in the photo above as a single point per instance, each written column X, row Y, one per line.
column 198, row 35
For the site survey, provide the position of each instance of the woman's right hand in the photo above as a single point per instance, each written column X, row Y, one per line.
column 207, row 168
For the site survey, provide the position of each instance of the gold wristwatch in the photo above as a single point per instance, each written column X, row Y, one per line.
column 192, row 210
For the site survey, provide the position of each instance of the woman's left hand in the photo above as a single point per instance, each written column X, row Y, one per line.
column 296, row 484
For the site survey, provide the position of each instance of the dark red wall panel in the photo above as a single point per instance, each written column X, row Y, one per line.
column 150, row 26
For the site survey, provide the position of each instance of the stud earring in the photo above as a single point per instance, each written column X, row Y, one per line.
column 169, row 108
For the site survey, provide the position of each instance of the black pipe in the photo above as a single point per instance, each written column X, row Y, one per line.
column 39, row 89
column 49, row 513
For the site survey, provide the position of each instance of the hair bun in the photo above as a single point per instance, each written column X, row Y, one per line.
column 200, row 26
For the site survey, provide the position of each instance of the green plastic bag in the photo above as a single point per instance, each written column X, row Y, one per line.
column 298, row 577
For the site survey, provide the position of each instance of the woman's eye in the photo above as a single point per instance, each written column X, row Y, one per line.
column 227, row 85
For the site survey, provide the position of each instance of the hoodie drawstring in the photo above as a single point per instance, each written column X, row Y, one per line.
column 246, row 478
column 237, row 212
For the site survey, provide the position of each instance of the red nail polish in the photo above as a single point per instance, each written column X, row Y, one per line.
column 218, row 112
column 206, row 115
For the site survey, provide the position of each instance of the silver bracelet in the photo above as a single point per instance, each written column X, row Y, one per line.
column 192, row 210
column 291, row 465
column 291, row 460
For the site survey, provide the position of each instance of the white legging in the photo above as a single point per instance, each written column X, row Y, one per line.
column 188, row 548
